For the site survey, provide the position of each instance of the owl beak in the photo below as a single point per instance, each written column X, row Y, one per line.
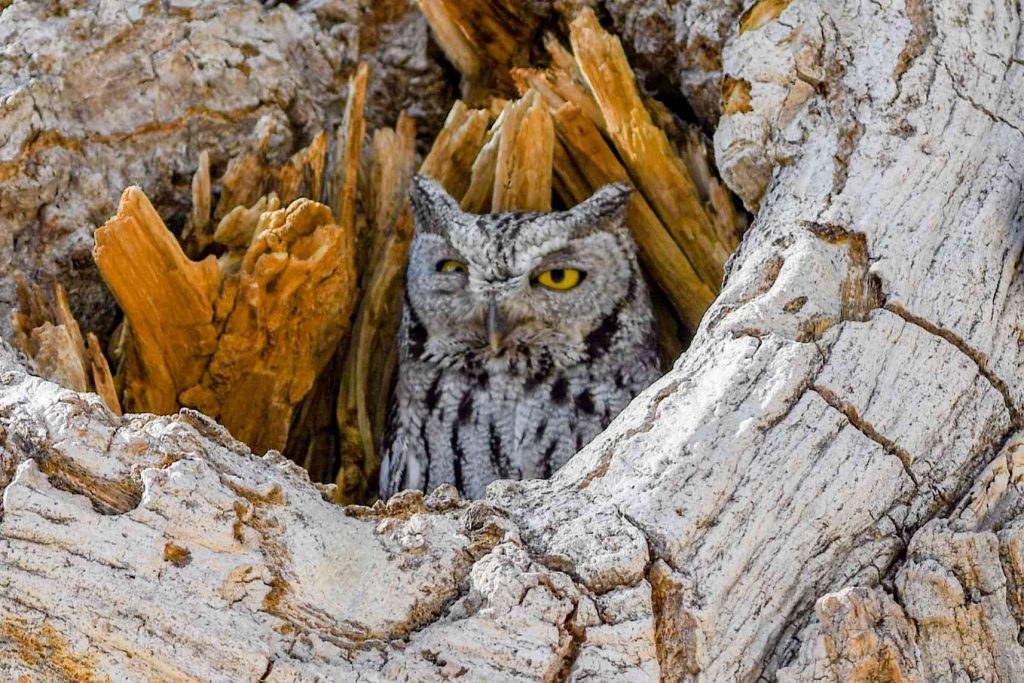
column 496, row 326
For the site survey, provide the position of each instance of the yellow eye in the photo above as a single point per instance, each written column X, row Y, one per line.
column 452, row 267
column 561, row 278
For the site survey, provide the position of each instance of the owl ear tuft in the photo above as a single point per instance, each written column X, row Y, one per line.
column 432, row 206
column 602, row 210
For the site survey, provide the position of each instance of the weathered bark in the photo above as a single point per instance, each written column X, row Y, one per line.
column 96, row 96
column 825, row 487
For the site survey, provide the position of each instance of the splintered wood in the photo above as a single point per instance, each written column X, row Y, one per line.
column 49, row 335
column 277, row 312
column 522, row 171
column 167, row 300
column 659, row 173
column 242, row 347
column 483, row 39
column 581, row 123
column 371, row 357
column 244, row 335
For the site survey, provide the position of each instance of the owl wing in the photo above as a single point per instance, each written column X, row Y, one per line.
column 392, row 463
column 401, row 465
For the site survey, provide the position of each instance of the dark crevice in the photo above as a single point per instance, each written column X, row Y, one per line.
column 979, row 359
column 865, row 428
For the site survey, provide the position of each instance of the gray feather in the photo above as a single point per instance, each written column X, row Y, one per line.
column 568, row 361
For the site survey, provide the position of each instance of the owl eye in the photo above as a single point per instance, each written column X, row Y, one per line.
column 561, row 278
column 451, row 266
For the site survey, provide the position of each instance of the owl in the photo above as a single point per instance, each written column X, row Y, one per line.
column 523, row 335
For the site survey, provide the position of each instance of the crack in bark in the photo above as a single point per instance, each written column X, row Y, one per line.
column 108, row 496
column 577, row 635
column 270, row 668
column 921, row 33
column 995, row 118
column 868, row 430
column 978, row 358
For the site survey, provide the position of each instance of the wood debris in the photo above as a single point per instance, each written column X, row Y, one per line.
column 371, row 358
column 243, row 347
column 241, row 336
column 522, row 172
column 457, row 146
column 484, row 39
column 580, row 123
column 167, row 299
column 50, row 337
column 645, row 149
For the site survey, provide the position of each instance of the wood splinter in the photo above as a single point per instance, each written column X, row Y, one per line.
column 51, row 338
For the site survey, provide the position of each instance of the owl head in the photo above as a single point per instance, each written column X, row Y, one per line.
column 511, row 287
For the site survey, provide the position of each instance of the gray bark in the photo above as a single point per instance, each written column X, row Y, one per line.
column 825, row 487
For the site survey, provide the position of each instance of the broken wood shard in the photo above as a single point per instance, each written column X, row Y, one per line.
column 50, row 337
column 282, row 320
column 243, row 347
column 483, row 39
column 167, row 298
column 522, row 172
column 451, row 158
column 659, row 253
column 645, row 149
column 370, row 359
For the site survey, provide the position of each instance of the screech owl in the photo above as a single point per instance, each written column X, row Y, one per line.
column 523, row 335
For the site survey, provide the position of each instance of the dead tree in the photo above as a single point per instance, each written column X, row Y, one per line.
column 825, row 487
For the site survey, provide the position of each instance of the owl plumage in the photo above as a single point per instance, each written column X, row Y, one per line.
column 523, row 335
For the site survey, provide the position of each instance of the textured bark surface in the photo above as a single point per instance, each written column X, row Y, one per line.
column 826, row 487
column 96, row 96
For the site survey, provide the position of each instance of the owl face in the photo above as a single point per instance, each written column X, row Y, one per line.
column 501, row 288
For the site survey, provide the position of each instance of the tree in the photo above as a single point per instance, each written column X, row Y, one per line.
column 824, row 487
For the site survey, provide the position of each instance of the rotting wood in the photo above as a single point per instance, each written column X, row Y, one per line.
column 342, row 184
column 167, row 298
column 244, row 346
column 280, row 321
column 480, row 192
column 369, row 361
column 551, row 144
column 451, row 158
column 483, row 39
column 652, row 162
column 522, row 173
column 314, row 438
column 50, row 337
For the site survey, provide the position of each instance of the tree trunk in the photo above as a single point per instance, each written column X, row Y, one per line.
column 826, row 487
